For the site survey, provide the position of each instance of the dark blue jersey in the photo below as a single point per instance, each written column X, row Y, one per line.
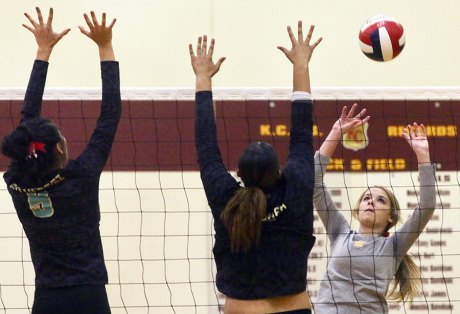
column 277, row 266
column 60, row 211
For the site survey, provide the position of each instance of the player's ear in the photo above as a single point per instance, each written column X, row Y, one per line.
column 390, row 220
column 60, row 148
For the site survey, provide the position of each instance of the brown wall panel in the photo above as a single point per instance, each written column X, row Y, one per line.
column 159, row 135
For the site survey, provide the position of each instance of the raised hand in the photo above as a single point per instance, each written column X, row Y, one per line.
column 415, row 135
column 300, row 55
column 101, row 34
column 202, row 63
column 349, row 120
column 44, row 34
column 301, row 50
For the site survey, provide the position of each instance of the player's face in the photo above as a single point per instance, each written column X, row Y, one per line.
column 374, row 209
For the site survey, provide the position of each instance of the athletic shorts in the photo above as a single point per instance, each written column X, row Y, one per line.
column 86, row 299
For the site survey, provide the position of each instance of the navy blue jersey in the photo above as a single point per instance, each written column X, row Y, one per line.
column 60, row 213
column 277, row 266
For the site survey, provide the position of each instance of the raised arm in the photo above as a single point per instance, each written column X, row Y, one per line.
column 216, row 180
column 405, row 237
column 299, row 169
column 97, row 151
column 300, row 146
column 332, row 219
column 46, row 39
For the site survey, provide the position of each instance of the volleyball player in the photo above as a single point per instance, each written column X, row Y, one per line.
column 56, row 199
column 264, row 229
column 362, row 263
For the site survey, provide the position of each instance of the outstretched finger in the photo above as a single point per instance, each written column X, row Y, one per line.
column 422, row 130
column 103, row 19
column 29, row 28
column 49, row 22
column 352, row 110
column 344, row 112
column 362, row 113
column 284, row 50
column 88, row 22
column 310, row 34
column 205, row 44
column 299, row 32
column 366, row 119
column 112, row 24
column 416, row 129
column 317, row 42
column 291, row 35
column 405, row 133
column 198, row 46
column 219, row 63
column 84, row 31
column 411, row 131
column 190, row 49
column 211, row 48
column 39, row 15
column 31, row 20
column 62, row 34
column 94, row 19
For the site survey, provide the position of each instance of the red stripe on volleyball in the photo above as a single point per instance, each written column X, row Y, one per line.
column 365, row 35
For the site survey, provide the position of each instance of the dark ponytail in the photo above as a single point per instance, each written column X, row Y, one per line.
column 16, row 144
column 243, row 218
column 258, row 167
column 17, row 147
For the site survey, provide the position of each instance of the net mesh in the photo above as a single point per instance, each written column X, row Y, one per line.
column 156, row 226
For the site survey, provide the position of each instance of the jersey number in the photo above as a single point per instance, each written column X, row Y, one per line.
column 40, row 204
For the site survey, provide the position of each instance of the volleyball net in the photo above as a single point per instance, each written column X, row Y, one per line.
column 156, row 226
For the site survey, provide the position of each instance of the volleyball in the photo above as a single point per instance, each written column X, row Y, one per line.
column 381, row 38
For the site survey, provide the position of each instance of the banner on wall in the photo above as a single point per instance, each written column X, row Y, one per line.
column 159, row 136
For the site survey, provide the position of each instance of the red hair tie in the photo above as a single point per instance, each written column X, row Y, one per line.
column 386, row 234
column 34, row 147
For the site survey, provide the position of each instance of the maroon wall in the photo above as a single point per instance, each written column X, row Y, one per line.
column 159, row 135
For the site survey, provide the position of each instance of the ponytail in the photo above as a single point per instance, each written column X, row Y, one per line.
column 407, row 277
column 243, row 217
column 16, row 144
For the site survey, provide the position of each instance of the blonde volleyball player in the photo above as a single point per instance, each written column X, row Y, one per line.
column 363, row 263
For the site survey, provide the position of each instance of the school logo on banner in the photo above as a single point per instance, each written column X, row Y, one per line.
column 357, row 138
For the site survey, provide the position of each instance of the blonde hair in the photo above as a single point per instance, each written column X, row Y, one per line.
column 408, row 274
